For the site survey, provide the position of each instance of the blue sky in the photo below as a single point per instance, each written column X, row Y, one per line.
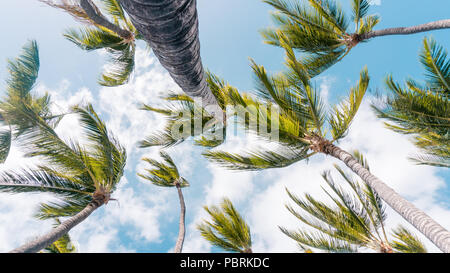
column 146, row 217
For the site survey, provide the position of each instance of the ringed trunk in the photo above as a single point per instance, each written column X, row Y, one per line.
column 182, row 229
column 170, row 27
column 49, row 238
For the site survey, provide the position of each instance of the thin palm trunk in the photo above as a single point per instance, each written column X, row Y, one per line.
column 49, row 238
column 441, row 24
column 424, row 223
column 95, row 15
column 170, row 27
column 182, row 229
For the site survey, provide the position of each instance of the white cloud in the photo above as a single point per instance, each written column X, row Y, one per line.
column 375, row 2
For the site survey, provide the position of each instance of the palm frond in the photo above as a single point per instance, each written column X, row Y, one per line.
column 343, row 114
column 406, row 242
column 359, row 9
column 434, row 59
column 258, row 158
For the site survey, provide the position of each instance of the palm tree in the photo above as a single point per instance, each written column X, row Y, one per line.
column 117, row 37
column 170, row 28
column 165, row 174
column 303, row 129
column 186, row 115
column 228, row 229
column 321, row 29
column 82, row 176
column 423, row 110
column 357, row 220
column 62, row 245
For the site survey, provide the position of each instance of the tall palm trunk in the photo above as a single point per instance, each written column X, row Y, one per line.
column 407, row 30
column 56, row 233
column 424, row 223
column 170, row 27
column 182, row 229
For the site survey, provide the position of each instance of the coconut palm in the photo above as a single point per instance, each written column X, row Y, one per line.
column 62, row 245
column 423, row 110
column 108, row 28
column 171, row 29
column 191, row 118
column 355, row 220
column 23, row 73
column 321, row 29
column 83, row 177
column 165, row 174
column 227, row 230
column 305, row 129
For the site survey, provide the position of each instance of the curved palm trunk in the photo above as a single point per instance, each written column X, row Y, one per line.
column 182, row 230
column 424, row 223
column 56, row 233
column 407, row 30
column 170, row 27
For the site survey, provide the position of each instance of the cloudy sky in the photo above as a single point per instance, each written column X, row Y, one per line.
column 145, row 217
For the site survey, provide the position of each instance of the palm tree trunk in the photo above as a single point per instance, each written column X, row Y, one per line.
column 182, row 230
column 170, row 27
column 56, row 233
column 95, row 15
column 407, row 30
column 424, row 223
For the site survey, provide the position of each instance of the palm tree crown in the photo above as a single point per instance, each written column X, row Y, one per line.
column 356, row 221
column 321, row 29
column 227, row 230
column 423, row 110
column 165, row 174
column 76, row 173
column 116, row 37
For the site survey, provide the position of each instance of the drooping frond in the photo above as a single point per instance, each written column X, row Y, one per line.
column 343, row 114
column 165, row 173
column 227, row 230
column 108, row 156
column 258, row 158
column 23, row 71
column 423, row 110
column 406, row 242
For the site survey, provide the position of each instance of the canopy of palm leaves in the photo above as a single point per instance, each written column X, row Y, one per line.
column 302, row 119
column 355, row 221
column 227, row 229
column 164, row 174
column 187, row 118
column 23, row 73
column 75, row 173
column 423, row 110
column 94, row 36
column 319, row 28
column 62, row 245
